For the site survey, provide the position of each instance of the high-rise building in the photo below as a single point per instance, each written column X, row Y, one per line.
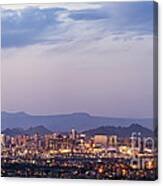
column 73, row 134
column 101, row 139
column 3, row 139
column 113, row 140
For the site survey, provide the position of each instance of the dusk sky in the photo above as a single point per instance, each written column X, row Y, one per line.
column 89, row 57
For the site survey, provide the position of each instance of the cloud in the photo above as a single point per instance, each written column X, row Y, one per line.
column 88, row 15
column 23, row 27
column 68, row 6
column 69, row 24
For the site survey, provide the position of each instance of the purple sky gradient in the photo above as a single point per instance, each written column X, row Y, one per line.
column 111, row 76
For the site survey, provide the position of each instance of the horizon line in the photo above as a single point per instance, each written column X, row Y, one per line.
column 73, row 113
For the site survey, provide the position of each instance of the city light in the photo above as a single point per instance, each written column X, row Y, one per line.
column 75, row 155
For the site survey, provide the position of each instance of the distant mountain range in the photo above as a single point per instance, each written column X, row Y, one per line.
column 64, row 123
column 30, row 131
column 107, row 130
column 121, row 131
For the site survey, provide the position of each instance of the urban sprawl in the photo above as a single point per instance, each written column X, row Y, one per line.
column 78, row 156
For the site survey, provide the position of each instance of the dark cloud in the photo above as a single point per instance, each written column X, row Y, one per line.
column 28, row 26
column 24, row 27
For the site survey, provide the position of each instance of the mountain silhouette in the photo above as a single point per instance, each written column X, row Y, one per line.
column 105, row 130
column 30, row 131
column 120, row 131
column 64, row 123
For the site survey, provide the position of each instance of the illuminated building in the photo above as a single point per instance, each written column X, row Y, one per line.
column 113, row 140
column 73, row 134
column 101, row 139
column 3, row 139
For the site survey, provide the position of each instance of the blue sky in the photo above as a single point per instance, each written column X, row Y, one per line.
column 83, row 57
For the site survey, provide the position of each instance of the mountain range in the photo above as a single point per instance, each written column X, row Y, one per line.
column 120, row 131
column 30, row 131
column 64, row 123
column 107, row 130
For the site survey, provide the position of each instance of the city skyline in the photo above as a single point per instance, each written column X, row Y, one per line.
column 79, row 91
column 79, row 155
column 78, row 57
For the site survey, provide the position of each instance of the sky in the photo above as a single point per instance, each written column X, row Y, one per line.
column 78, row 57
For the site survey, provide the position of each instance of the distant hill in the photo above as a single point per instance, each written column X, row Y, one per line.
column 31, row 131
column 64, row 123
column 107, row 130
column 13, row 132
column 120, row 131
